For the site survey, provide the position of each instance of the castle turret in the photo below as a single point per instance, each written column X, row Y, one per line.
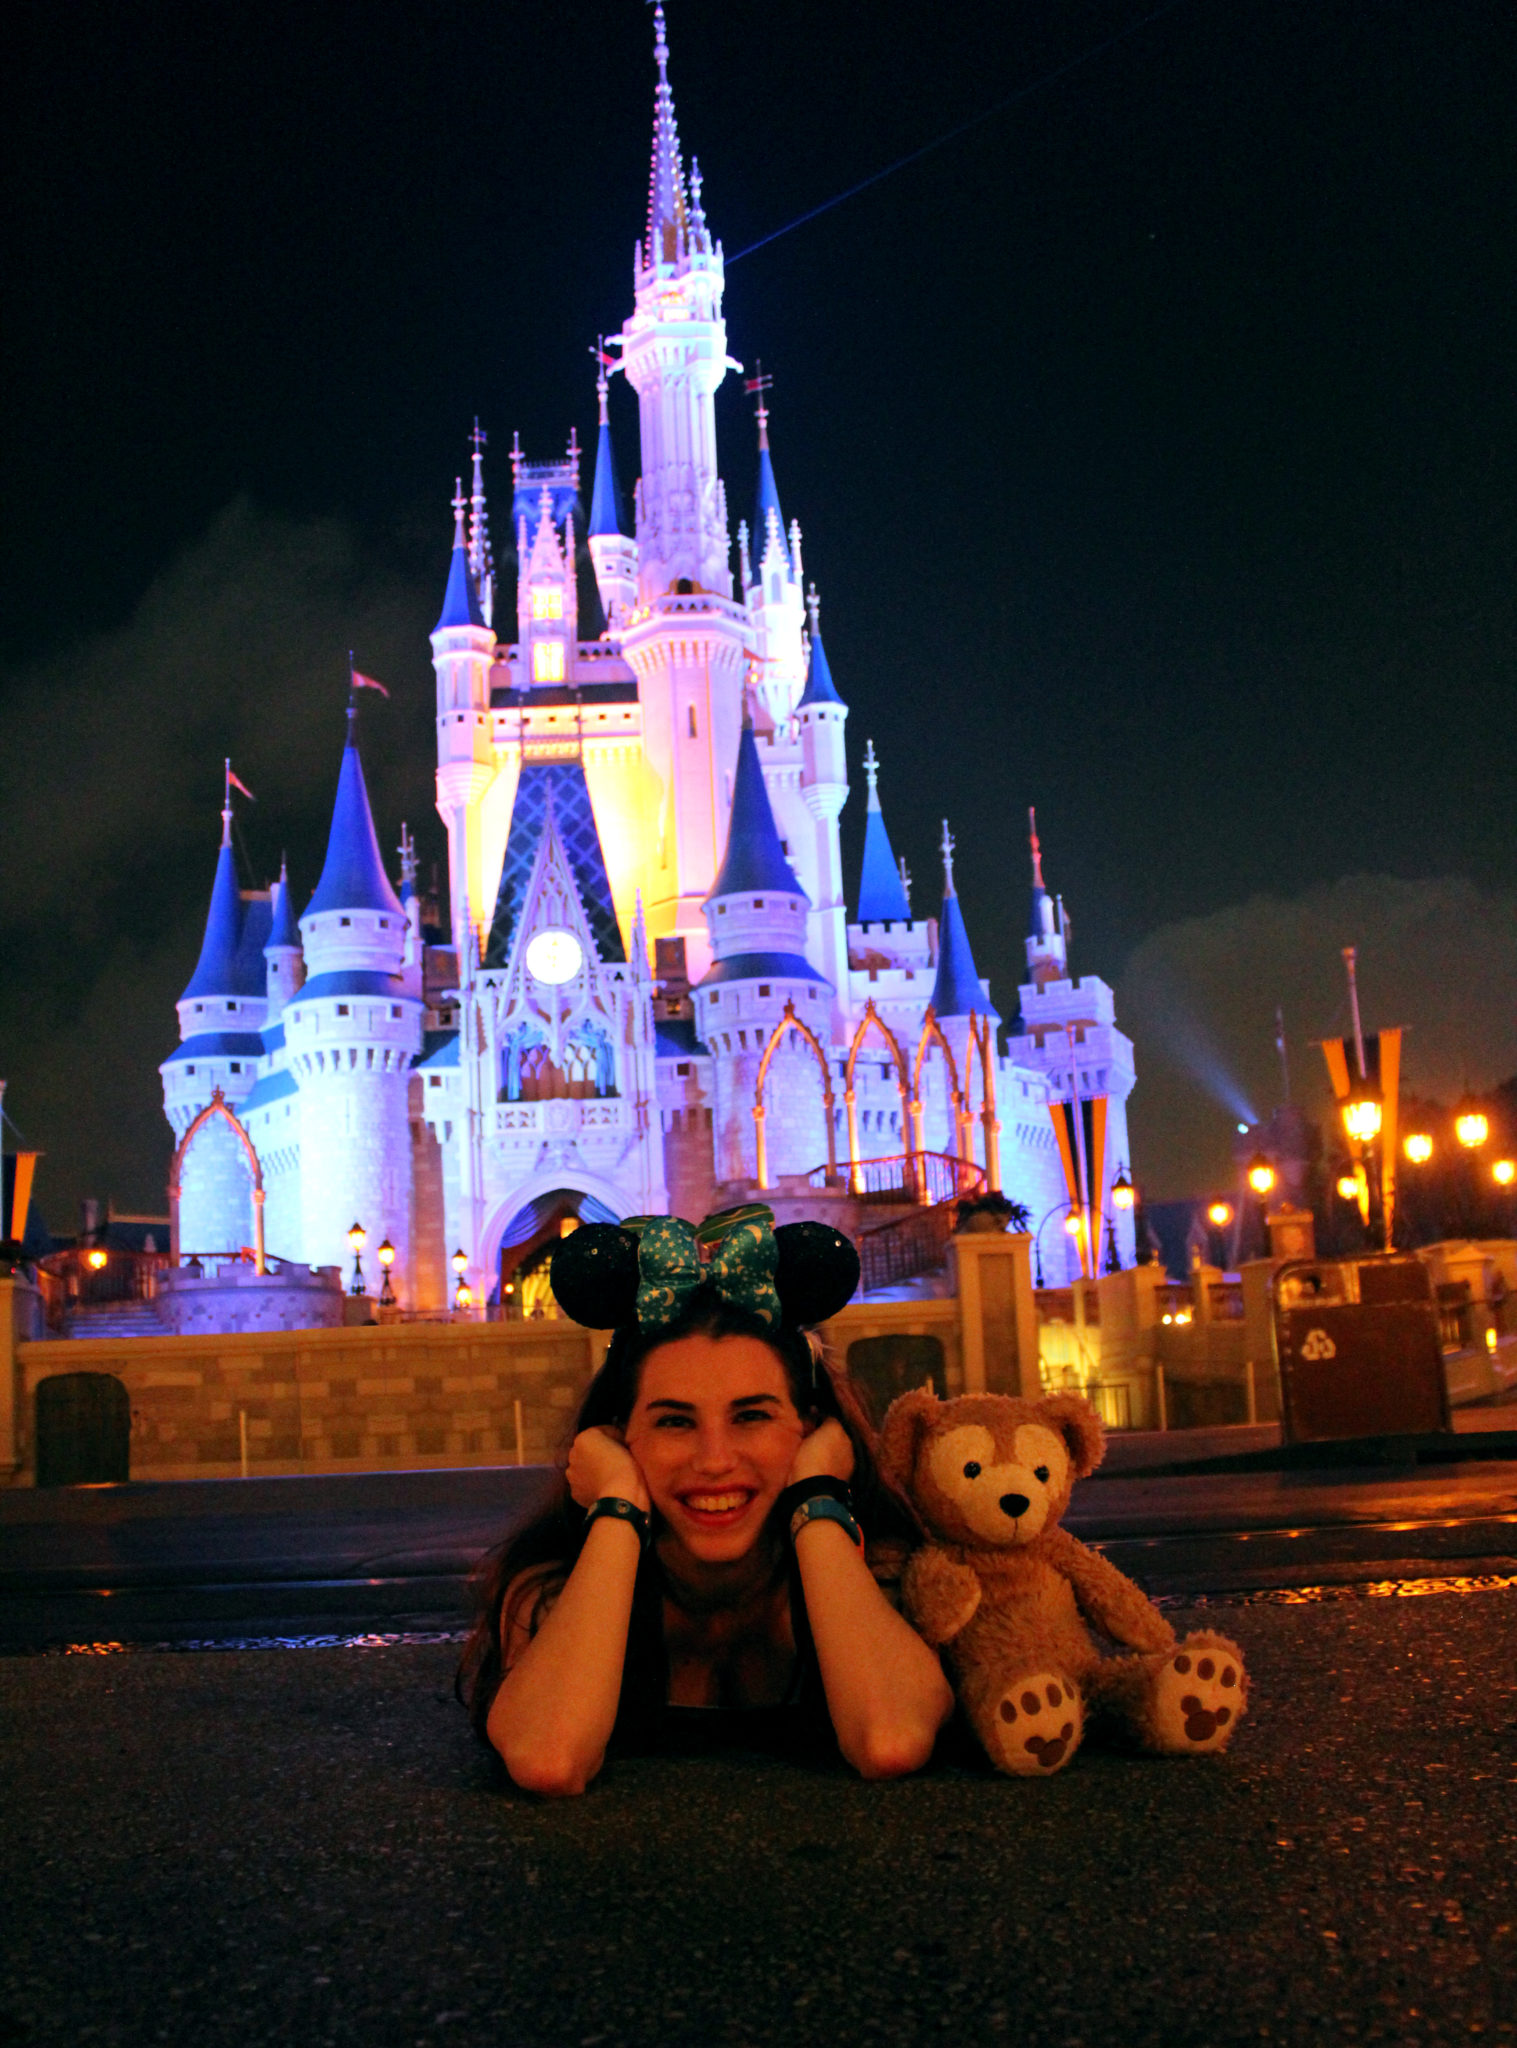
column 351, row 1035
column 882, row 884
column 771, row 583
column 1047, row 939
column 820, row 718
column 463, row 647
column 757, row 916
column 220, row 1014
column 957, row 990
column 285, row 968
column 612, row 549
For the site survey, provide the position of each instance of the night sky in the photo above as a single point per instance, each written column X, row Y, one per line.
column 1153, row 444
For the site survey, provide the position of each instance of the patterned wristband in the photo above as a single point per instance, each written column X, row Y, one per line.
column 621, row 1511
column 824, row 1507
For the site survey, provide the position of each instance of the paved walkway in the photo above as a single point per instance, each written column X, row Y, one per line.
column 305, row 1848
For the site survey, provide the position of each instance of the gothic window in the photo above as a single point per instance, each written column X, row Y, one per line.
column 547, row 602
column 547, row 661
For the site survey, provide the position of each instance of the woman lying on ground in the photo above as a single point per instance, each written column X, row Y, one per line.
column 705, row 1552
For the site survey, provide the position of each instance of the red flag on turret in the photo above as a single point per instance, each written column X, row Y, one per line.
column 236, row 782
column 363, row 682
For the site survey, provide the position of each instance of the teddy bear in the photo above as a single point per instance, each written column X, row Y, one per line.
column 1007, row 1593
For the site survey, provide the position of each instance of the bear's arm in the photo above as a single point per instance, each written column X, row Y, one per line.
column 941, row 1596
column 1108, row 1597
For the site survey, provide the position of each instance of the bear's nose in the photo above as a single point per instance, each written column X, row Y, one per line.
column 1014, row 1504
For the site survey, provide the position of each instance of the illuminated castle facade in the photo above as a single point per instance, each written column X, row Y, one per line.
column 641, row 787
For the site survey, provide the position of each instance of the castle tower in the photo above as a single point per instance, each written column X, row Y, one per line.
column 463, row 648
column 882, row 885
column 611, row 548
column 757, row 915
column 688, row 642
column 771, row 584
column 351, row 1035
column 285, row 962
column 220, row 1015
column 1047, row 944
column 820, row 717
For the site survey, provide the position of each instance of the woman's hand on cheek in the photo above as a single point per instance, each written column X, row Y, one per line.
column 826, row 1453
column 600, row 1464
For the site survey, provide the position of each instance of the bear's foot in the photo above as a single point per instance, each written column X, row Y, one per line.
column 1200, row 1694
column 1035, row 1725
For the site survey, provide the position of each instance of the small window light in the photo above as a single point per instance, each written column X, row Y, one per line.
column 547, row 661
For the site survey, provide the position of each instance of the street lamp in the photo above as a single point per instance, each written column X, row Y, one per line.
column 1261, row 1175
column 387, row 1260
column 462, row 1298
column 1471, row 1125
column 98, row 1260
column 1504, row 1172
column 358, row 1237
column 1219, row 1215
column 1363, row 1113
column 1418, row 1148
column 1123, row 1193
column 1348, row 1187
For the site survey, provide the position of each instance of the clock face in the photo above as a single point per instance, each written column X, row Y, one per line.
column 554, row 956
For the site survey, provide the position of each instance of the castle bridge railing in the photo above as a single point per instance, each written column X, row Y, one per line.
column 923, row 1177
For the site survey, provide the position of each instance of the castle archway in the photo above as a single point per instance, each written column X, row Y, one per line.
column 519, row 1237
column 789, row 1022
column 217, row 1108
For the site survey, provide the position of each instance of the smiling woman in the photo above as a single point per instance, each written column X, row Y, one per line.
column 705, row 1572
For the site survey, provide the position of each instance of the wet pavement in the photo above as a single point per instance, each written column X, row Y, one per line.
column 304, row 1846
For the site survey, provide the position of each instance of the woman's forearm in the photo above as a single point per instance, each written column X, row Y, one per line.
column 556, row 1707
column 885, row 1689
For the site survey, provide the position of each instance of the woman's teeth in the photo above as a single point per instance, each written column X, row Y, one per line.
column 715, row 1503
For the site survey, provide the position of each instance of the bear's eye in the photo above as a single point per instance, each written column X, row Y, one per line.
column 1040, row 1473
column 972, row 1469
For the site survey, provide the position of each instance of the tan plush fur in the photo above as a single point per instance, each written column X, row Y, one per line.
column 1007, row 1593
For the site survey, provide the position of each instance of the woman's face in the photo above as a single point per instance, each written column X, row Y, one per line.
column 715, row 1431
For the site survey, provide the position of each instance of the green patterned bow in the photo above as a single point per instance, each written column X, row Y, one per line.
column 740, row 1261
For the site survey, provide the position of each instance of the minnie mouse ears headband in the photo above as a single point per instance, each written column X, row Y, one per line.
column 644, row 1271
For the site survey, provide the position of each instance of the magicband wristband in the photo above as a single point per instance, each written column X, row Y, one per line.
column 823, row 1507
column 621, row 1511
column 808, row 1489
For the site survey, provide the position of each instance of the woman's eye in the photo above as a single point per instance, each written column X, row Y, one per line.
column 972, row 1470
column 672, row 1422
column 1040, row 1473
column 754, row 1415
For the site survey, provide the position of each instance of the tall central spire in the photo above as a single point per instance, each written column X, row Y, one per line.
column 668, row 207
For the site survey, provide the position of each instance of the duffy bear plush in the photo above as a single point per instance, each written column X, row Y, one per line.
column 1006, row 1592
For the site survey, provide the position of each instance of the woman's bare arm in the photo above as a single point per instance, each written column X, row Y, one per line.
column 885, row 1688
column 556, row 1707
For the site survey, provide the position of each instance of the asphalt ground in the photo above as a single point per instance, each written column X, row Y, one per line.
column 306, row 1847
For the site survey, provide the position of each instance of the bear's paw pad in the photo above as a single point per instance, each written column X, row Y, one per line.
column 1039, row 1721
column 1199, row 1698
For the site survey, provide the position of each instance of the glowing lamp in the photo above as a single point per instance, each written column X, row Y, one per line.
column 358, row 1237
column 1419, row 1148
column 1490, row 1338
column 1261, row 1175
column 1348, row 1187
column 460, row 1261
column 1074, row 1223
column 1504, row 1172
column 1123, row 1193
column 386, row 1257
column 1219, row 1215
column 1471, row 1126
column 1362, row 1113
column 98, row 1260
column 462, row 1297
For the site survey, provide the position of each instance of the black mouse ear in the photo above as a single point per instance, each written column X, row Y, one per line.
column 594, row 1275
column 817, row 1274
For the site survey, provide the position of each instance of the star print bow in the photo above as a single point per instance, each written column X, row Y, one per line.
column 740, row 1261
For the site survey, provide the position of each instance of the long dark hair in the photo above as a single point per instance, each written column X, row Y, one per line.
column 510, row 1579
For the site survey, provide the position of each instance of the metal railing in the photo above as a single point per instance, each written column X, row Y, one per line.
column 912, row 1245
column 926, row 1177
column 93, row 1276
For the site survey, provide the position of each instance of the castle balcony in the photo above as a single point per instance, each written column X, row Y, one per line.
column 564, row 1117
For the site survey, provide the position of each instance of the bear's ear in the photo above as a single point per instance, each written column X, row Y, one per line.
column 906, row 1420
column 1079, row 1425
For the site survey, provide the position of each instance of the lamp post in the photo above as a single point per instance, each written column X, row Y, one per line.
column 1124, row 1196
column 386, row 1257
column 462, row 1296
column 358, row 1237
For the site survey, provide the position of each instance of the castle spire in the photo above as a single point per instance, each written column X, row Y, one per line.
column 216, row 970
column 755, row 859
column 481, row 561
column 353, row 875
column 460, row 604
column 1047, row 946
column 668, row 213
column 820, row 688
column 606, row 511
column 957, row 989
column 767, row 502
column 882, row 894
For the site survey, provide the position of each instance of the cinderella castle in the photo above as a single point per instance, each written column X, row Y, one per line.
column 649, row 992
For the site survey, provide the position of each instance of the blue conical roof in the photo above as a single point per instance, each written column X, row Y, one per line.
column 754, row 859
column 353, row 877
column 606, row 513
column 768, row 501
column 252, row 969
column 957, row 989
column 460, row 603
column 882, row 895
column 216, row 970
column 820, row 688
column 282, row 927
